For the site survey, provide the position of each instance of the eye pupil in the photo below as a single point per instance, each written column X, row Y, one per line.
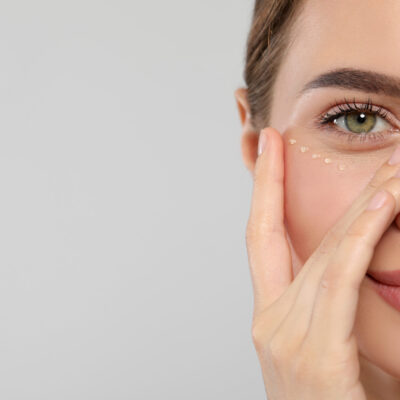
column 361, row 118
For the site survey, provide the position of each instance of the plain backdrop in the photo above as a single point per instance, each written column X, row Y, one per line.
column 124, row 201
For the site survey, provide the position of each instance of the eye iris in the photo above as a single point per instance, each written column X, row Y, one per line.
column 360, row 122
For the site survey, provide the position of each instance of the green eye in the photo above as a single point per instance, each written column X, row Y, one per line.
column 360, row 122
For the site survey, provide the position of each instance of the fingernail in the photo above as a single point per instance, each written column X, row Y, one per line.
column 262, row 142
column 395, row 159
column 377, row 201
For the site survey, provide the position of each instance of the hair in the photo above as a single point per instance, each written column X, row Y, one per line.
column 267, row 43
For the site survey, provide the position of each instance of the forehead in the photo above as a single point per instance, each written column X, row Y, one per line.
column 333, row 34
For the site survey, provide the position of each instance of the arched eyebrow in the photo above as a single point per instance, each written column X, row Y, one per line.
column 358, row 79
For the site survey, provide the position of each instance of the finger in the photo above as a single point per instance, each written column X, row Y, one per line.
column 267, row 246
column 336, row 302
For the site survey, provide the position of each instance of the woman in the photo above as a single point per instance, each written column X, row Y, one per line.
column 322, row 106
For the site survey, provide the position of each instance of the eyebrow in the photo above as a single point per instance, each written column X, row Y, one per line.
column 351, row 78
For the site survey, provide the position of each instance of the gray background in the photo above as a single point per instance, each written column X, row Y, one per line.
column 124, row 201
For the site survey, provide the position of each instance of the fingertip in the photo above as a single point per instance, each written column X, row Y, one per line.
column 264, row 139
column 271, row 132
column 274, row 139
column 265, row 131
column 262, row 142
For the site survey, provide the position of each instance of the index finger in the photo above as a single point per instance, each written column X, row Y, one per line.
column 267, row 245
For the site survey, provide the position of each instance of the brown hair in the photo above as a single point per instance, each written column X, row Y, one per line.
column 267, row 43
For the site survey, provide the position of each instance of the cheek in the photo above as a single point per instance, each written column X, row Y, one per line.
column 316, row 196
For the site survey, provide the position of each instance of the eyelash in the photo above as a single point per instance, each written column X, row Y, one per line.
column 325, row 121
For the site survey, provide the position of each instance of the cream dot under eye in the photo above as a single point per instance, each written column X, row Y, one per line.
column 327, row 160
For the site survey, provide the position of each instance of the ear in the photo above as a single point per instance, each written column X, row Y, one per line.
column 249, row 137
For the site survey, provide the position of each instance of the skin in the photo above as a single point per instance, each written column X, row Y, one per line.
column 343, row 33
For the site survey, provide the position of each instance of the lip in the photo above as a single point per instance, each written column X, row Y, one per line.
column 390, row 278
column 389, row 293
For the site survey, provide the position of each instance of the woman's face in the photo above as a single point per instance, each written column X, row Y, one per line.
column 335, row 165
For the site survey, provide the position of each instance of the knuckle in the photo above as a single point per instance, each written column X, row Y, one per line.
column 332, row 278
column 330, row 282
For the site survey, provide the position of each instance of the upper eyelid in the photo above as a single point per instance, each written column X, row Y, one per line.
column 350, row 107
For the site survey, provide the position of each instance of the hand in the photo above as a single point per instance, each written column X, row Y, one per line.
column 303, row 328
